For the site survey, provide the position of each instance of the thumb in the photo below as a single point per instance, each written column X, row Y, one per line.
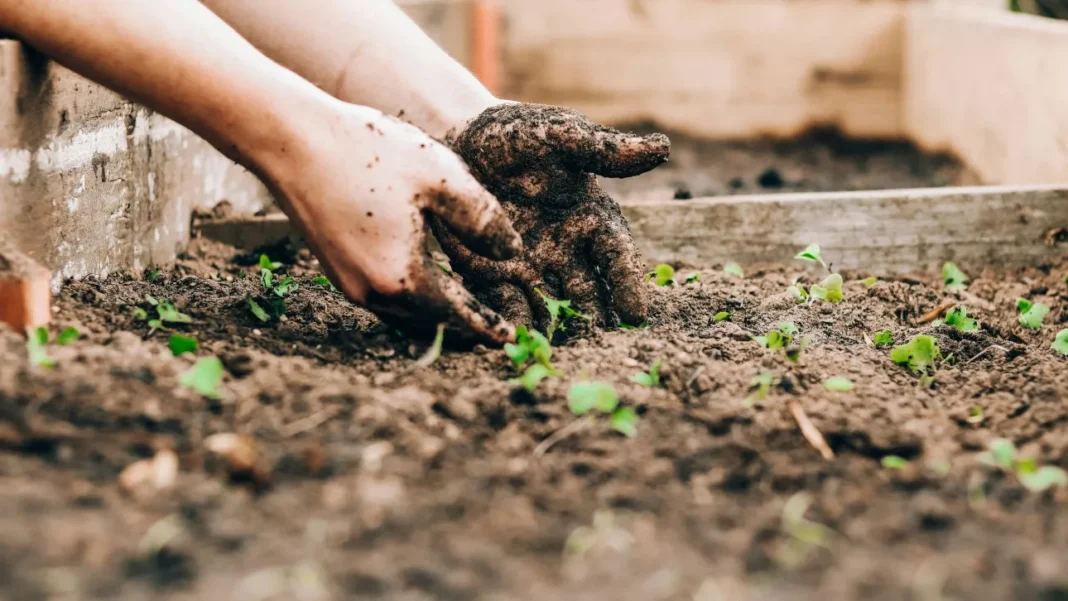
column 474, row 215
column 612, row 153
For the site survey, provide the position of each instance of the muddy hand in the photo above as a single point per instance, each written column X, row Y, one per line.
column 541, row 161
column 360, row 190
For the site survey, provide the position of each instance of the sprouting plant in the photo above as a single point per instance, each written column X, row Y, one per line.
column 280, row 287
column 953, row 277
column 584, row 397
column 204, row 377
column 650, row 378
column 1031, row 314
column 884, row 338
column 1002, row 455
column 529, row 345
column 838, row 384
column 794, row 353
column 268, row 264
column 560, row 312
column 958, row 318
column 67, row 335
column 894, row 462
column 36, row 341
column 721, row 316
column 778, row 338
column 869, row 282
column 626, row 326
column 1060, row 343
column 759, row 388
column 431, row 355
column 532, row 376
column 257, row 310
column 166, row 313
column 325, row 282
column 662, row 275
column 693, row 277
column 812, row 255
column 798, row 292
column 182, row 344
column 804, row 535
column 920, row 354
column 153, row 275
column 830, row 289
column 975, row 415
column 734, row 269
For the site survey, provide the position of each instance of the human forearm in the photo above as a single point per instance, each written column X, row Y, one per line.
column 365, row 52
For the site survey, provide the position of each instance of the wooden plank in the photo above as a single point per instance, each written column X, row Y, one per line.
column 886, row 231
column 25, row 295
column 882, row 232
column 992, row 87
column 722, row 69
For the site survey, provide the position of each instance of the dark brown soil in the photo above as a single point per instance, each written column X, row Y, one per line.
column 820, row 161
column 390, row 481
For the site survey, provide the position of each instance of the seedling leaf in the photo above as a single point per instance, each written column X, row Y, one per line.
column 811, row 254
column 664, row 275
column 269, row 265
column 953, row 277
column 267, row 279
column 36, row 339
column 139, row 313
column 830, row 289
column 285, row 286
column 533, row 376
column 584, row 396
column 257, row 310
column 625, row 421
column 168, row 313
column 151, row 300
column 734, row 269
column 798, row 292
column 958, row 318
column 560, row 312
column 918, row 354
column 693, row 277
column 869, row 282
column 975, row 415
column 1002, row 454
column 626, row 326
column 322, row 280
column 894, row 462
column 788, row 328
column 838, row 384
column 721, row 316
column 1031, row 314
column 1043, row 478
column 434, row 351
column 204, row 377
column 182, row 344
column 794, row 354
column 651, row 378
column 1023, row 305
column 884, row 338
column 1060, row 343
column 68, row 335
column 760, row 386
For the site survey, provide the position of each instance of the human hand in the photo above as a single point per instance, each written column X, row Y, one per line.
column 358, row 185
column 540, row 161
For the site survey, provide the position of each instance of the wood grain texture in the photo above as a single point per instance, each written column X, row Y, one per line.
column 722, row 69
column 991, row 87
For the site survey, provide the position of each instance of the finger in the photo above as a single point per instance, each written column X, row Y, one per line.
column 621, row 267
column 473, row 214
column 609, row 152
column 510, row 302
column 583, row 292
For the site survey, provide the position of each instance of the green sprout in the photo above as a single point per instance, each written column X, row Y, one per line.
column 434, row 351
column 168, row 313
column 182, row 344
column 532, row 376
column 884, row 338
column 560, row 312
column 894, row 462
column 920, row 354
column 798, row 292
column 838, row 384
column 204, row 377
column 734, row 269
column 325, row 282
column 662, row 275
column 1060, row 343
column 1031, row 314
column 693, row 277
column 794, row 353
column 651, row 378
column 958, row 318
column 1002, row 455
column 68, row 335
column 153, row 275
column 829, row 290
column 953, row 277
column 811, row 254
column 626, row 326
column 36, row 341
column 529, row 345
column 869, row 282
column 584, row 397
column 257, row 310
column 975, row 415
column 721, row 316
column 269, row 265
column 759, row 388
column 778, row 338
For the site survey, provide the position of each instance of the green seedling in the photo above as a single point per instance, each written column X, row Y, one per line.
column 693, row 277
column 812, row 255
column 36, row 341
column 204, row 377
column 584, row 397
column 182, row 344
column 798, row 292
column 957, row 317
column 153, row 275
column 1031, row 314
column 1060, row 343
column 651, row 378
column 257, row 310
column 721, row 316
column 975, row 415
column 626, row 326
column 920, row 354
column 68, row 335
column 168, row 313
column 869, row 282
column 431, row 355
column 560, row 312
column 662, row 275
column 759, row 388
column 830, row 289
column 532, row 376
column 884, row 338
column 953, row 277
column 1002, row 455
column 838, row 384
column 269, row 265
column 325, row 282
column 139, row 313
column 804, row 535
column 893, row 462
column 780, row 339
column 529, row 345
column 734, row 269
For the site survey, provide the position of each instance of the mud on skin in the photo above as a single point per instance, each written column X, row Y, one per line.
column 541, row 162
column 393, row 482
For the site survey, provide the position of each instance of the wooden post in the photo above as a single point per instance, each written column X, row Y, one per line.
column 485, row 43
column 25, row 294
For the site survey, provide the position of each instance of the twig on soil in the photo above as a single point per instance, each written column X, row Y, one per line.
column 573, row 428
column 937, row 312
column 693, row 376
column 984, row 351
column 310, row 422
column 810, row 432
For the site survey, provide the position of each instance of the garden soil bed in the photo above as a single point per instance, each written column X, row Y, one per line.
column 383, row 480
